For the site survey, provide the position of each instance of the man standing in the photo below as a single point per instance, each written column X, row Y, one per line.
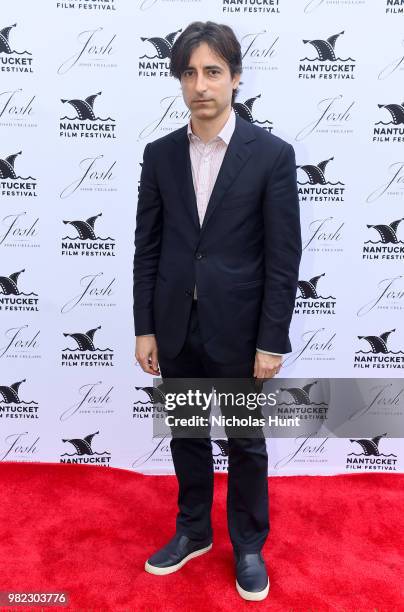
column 217, row 253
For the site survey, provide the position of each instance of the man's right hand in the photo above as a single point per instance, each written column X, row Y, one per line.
column 146, row 353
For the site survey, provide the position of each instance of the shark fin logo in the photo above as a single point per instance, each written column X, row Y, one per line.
column 378, row 355
column 326, row 64
column 11, row 394
column 245, row 111
column 84, row 451
column 317, row 188
column 85, row 352
column 162, row 46
column 370, row 456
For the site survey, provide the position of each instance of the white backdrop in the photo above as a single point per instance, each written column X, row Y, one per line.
column 83, row 87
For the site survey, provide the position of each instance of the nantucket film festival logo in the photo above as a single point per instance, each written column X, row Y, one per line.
column 259, row 51
column 325, row 62
column 252, row 7
column 384, row 241
column 91, row 291
column 324, row 235
column 391, row 127
column 94, row 174
column 155, row 61
column 310, row 300
column 102, row 6
column 19, row 342
column 301, row 402
column 92, row 398
column 85, row 122
column 148, row 402
column 19, row 230
column 14, row 403
column 329, row 116
column 315, row 187
column 94, row 49
column 14, row 297
column 395, row 7
column 371, row 454
column 17, row 108
column 11, row 183
column 377, row 352
column 85, row 352
column 84, row 450
column 84, row 242
column 13, row 57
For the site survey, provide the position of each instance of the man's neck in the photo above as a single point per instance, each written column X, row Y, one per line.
column 206, row 130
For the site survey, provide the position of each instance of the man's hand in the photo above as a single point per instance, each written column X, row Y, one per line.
column 146, row 353
column 266, row 366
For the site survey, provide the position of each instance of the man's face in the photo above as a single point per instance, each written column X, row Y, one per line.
column 207, row 84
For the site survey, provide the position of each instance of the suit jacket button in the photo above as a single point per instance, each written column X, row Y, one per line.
column 188, row 292
column 198, row 255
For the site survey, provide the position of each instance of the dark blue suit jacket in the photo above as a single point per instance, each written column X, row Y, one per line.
column 244, row 259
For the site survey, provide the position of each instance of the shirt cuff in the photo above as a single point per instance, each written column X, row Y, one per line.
column 269, row 352
column 142, row 335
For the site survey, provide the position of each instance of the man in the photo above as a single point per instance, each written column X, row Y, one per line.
column 218, row 248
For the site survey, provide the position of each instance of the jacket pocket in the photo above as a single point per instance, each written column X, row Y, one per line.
column 254, row 283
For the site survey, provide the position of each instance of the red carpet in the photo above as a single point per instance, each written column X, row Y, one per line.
column 336, row 543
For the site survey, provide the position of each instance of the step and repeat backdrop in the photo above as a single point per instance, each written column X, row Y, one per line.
column 84, row 86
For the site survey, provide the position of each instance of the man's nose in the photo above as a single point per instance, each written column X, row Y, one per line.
column 200, row 84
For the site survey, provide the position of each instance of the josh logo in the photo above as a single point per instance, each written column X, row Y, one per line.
column 382, row 132
column 314, row 345
column 334, row 116
column 94, row 49
column 12, row 298
column 263, row 7
column 149, row 402
column 395, row 7
column 245, row 110
column 12, row 404
column 393, row 187
column 94, row 398
column 301, row 402
column 19, row 230
column 20, row 342
column 85, row 123
column 95, row 175
column 86, row 243
column 11, row 184
column 389, row 295
column 393, row 67
column 81, row 451
column 17, row 109
column 316, row 188
column 259, row 51
column 378, row 355
column 384, row 400
column 85, row 352
column 94, row 292
column 155, row 62
column 312, row 5
column 370, row 455
column 310, row 301
column 21, row 446
column 326, row 64
column 105, row 6
column 324, row 235
column 387, row 246
column 11, row 58
column 307, row 451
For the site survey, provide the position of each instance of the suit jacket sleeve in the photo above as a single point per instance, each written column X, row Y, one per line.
column 147, row 246
column 283, row 249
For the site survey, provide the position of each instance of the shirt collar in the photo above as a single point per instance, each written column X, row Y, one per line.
column 225, row 133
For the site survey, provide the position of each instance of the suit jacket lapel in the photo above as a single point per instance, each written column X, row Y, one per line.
column 237, row 153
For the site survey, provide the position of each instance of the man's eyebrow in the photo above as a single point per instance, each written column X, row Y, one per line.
column 206, row 67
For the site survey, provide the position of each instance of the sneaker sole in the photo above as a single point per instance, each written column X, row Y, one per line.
column 162, row 571
column 252, row 595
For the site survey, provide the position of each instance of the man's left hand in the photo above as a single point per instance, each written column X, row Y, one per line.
column 267, row 366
